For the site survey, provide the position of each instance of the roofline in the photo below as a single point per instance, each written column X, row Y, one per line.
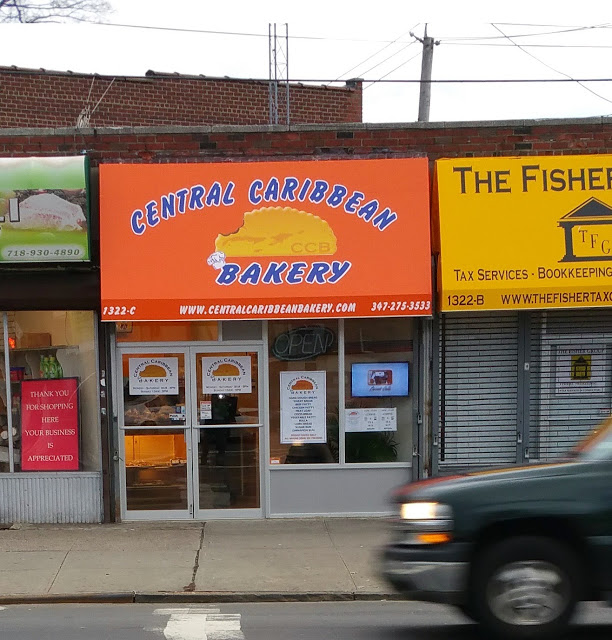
column 340, row 126
column 153, row 75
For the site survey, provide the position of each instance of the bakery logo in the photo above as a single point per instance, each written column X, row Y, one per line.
column 153, row 376
column 274, row 232
column 153, row 370
column 226, row 374
column 279, row 231
column 302, row 385
column 588, row 232
column 226, row 370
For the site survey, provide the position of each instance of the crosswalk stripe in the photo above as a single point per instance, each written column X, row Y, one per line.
column 201, row 624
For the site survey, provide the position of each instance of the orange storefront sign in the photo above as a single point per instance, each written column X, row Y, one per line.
column 334, row 238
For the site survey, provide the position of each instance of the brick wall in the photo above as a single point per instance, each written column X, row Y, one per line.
column 30, row 98
column 223, row 143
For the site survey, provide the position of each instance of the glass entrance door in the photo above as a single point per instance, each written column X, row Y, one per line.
column 155, row 435
column 190, row 424
column 227, row 433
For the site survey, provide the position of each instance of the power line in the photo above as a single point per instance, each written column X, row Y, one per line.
column 530, row 35
column 552, row 68
column 446, row 81
column 324, row 38
column 234, row 33
column 376, row 53
column 382, row 79
column 391, row 56
column 527, row 46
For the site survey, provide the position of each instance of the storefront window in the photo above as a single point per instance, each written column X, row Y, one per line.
column 304, row 426
column 166, row 331
column 379, row 374
column 49, row 392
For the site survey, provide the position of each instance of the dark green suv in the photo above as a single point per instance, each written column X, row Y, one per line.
column 514, row 549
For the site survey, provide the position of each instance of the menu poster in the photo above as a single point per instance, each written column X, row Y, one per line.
column 303, row 407
column 384, row 419
column 50, row 425
column 153, row 376
column 226, row 374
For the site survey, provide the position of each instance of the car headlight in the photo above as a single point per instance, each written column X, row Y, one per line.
column 424, row 511
column 425, row 523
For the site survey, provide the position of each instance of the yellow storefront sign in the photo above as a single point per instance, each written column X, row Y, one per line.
column 524, row 233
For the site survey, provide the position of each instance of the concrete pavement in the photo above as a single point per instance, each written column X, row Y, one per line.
column 216, row 561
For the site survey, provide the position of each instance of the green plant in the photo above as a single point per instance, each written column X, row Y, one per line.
column 375, row 446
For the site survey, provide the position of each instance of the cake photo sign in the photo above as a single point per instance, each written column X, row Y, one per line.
column 44, row 214
column 334, row 238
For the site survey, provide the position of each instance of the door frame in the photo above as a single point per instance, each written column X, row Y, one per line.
column 191, row 427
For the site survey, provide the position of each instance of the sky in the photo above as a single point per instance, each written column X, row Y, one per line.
column 335, row 40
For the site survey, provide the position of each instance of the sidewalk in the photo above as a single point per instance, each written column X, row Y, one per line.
column 216, row 561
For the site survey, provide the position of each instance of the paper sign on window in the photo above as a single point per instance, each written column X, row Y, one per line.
column 226, row 374
column 302, row 403
column 153, row 376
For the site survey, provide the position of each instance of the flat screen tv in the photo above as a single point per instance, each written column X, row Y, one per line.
column 379, row 379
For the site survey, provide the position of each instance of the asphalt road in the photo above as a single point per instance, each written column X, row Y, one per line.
column 290, row 621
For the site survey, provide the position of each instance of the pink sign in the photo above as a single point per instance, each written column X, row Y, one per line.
column 50, row 425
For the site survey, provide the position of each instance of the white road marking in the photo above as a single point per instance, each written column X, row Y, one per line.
column 201, row 624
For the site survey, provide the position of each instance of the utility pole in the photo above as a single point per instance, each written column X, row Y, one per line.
column 426, row 63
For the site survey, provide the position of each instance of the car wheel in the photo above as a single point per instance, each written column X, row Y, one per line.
column 526, row 587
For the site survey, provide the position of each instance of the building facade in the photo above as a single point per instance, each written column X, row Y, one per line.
column 524, row 254
column 487, row 384
column 52, row 453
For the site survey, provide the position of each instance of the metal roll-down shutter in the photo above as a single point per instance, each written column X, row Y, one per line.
column 570, row 377
column 477, row 421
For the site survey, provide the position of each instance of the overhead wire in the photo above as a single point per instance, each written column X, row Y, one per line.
column 456, row 41
column 550, row 67
column 560, row 30
column 382, row 79
column 392, row 56
column 528, row 35
column 527, row 46
column 376, row 53
column 235, row 33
